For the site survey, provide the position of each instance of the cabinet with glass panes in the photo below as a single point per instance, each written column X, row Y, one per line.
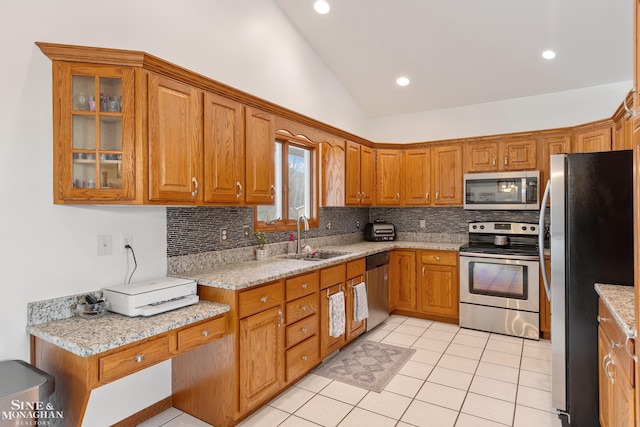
column 95, row 138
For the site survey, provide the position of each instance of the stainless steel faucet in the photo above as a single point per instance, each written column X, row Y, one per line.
column 306, row 228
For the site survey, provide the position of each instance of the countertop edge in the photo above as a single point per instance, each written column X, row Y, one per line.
column 88, row 337
column 620, row 300
column 246, row 274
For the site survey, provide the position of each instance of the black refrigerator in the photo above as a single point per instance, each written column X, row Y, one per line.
column 591, row 240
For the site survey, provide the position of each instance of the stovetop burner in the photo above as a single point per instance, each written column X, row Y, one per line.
column 522, row 238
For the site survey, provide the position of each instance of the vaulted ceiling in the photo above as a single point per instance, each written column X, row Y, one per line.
column 465, row 52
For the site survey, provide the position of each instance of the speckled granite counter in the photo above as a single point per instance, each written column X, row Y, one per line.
column 620, row 300
column 245, row 274
column 86, row 337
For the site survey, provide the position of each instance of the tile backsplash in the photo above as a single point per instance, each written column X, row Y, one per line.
column 196, row 230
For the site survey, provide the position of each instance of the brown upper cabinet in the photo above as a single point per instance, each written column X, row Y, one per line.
column 419, row 176
column 359, row 174
column 590, row 139
column 175, row 141
column 388, row 176
column 551, row 144
column 492, row 156
column 94, row 134
column 141, row 130
column 623, row 126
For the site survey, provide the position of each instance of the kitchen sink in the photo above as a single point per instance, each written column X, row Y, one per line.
column 318, row 256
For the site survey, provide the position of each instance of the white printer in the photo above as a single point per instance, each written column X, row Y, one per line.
column 150, row 297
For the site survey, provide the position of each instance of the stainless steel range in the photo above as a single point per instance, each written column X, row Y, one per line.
column 499, row 279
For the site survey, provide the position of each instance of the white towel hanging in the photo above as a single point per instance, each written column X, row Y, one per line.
column 360, row 304
column 337, row 317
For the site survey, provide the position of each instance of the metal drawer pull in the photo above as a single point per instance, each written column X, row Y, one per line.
column 506, row 161
column 206, row 333
column 493, row 163
column 305, row 308
column 273, row 191
column 239, row 187
column 398, row 196
column 264, row 299
column 194, row 193
column 626, row 347
column 427, row 197
column 305, row 286
column 139, row 358
column 423, row 271
column 602, row 319
column 363, row 195
column 304, row 330
column 305, row 357
column 437, row 258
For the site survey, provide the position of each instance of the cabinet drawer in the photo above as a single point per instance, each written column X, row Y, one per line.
column 300, row 286
column 301, row 308
column 332, row 276
column 614, row 332
column 256, row 300
column 355, row 268
column 133, row 359
column 301, row 330
column 439, row 257
column 201, row 333
column 301, row 358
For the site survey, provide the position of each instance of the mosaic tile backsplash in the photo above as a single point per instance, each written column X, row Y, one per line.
column 196, row 230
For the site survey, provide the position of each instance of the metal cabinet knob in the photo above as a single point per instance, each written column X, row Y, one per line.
column 305, row 357
column 304, row 330
column 206, row 333
column 305, row 308
column 264, row 299
column 305, row 286
column 139, row 358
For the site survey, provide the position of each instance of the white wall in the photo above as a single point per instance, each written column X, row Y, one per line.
column 48, row 251
column 555, row 110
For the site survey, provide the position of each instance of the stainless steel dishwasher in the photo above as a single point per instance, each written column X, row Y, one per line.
column 377, row 288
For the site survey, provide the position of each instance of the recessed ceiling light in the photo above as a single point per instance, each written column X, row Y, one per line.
column 322, row 7
column 402, row 81
column 548, row 54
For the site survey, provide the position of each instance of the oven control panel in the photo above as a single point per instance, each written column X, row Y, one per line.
column 518, row 228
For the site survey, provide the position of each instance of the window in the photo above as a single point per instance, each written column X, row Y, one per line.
column 295, row 187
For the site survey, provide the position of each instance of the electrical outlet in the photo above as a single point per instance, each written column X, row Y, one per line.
column 423, row 223
column 125, row 239
column 104, row 244
column 357, row 224
column 246, row 232
column 223, row 235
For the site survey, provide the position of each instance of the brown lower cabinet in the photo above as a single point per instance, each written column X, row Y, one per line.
column 616, row 372
column 278, row 332
column 425, row 284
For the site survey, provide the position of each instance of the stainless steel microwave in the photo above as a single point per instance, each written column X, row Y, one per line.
column 502, row 190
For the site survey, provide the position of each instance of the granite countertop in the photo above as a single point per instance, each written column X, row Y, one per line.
column 86, row 337
column 245, row 274
column 620, row 300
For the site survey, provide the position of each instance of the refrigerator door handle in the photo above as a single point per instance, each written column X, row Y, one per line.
column 543, row 208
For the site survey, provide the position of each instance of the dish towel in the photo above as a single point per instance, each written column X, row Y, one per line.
column 360, row 305
column 337, row 317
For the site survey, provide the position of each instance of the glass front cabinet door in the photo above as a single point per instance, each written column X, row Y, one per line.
column 94, row 154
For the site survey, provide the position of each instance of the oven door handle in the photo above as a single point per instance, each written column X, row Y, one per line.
column 543, row 208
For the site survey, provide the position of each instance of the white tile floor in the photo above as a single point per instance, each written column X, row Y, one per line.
column 457, row 377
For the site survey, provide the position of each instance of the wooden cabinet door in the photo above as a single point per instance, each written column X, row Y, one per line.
column 94, row 151
column 416, row 172
column 329, row 344
column 447, row 175
column 604, row 383
column 519, row 155
column 261, row 354
column 557, row 144
column 439, row 292
column 367, row 175
column 352, row 174
column 623, row 410
column 592, row 141
column 355, row 275
column 388, row 182
column 223, row 150
column 480, row 157
column 259, row 157
column 333, row 174
column 175, row 141
column 623, row 133
column 402, row 281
